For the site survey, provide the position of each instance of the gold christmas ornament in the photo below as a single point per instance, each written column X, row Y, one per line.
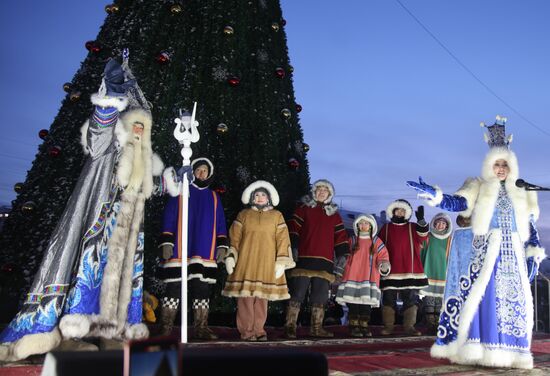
column 75, row 96
column 28, row 207
column 285, row 113
column 175, row 9
column 275, row 26
column 222, row 128
column 228, row 30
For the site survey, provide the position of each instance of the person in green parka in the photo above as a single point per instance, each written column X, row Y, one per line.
column 434, row 255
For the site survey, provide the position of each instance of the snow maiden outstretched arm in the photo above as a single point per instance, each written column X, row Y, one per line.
column 435, row 197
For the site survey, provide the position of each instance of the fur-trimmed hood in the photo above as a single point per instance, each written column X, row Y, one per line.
column 326, row 183
column 495, row 154
column 400, row 203
column 309, row 200
column 449, row 226
column 274, row 195
column 201, row 184
column 329, row 208
column 369, row 218
column 481, row 195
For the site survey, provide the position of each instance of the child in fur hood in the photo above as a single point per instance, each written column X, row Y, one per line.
column 360, row 287
column 257, row 259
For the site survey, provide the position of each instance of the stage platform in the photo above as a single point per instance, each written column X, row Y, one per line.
column 395, row 355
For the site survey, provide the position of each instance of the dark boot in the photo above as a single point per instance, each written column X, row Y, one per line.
column 166, row 320
column 317, row 316
column 431, row 325
column 292, row 312
column 388, row 318
column 364, row 324
column 202, row 331
column 409, row 319
column 354, row 329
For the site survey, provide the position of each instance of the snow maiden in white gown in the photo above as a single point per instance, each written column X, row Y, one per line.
column 488, row 318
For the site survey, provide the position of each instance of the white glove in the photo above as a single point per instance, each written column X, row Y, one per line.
column 229, row 265
column 279, row 270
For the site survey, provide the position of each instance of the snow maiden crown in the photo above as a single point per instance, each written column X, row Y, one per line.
column 499, row 148
column 496, row 133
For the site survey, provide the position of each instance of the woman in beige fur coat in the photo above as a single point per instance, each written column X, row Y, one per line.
column 259, row 254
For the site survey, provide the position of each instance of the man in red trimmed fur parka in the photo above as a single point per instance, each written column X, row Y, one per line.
column 403, row 239
column 317, row 233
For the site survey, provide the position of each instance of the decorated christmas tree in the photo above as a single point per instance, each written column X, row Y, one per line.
column 229, row 56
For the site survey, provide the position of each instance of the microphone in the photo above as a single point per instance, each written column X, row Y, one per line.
column 520, row 183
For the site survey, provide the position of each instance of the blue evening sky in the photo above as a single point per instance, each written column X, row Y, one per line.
column 382, row 101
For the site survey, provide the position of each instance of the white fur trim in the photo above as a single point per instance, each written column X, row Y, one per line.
column 449, row 225
column 399, row 204
column 457, row 351
column 208, row 161
column 232, row 252
column 435, row 200
column 121, row 134
column 495, row 154
column 84, row 138
column 245, row 197
column 4, row 353
column 369, row 218
column 538, row 253
column 137, row 331
column 119, row 103
column 138, row 171
column 32, row 344
column 481, row 196
column 470, row 191
column 326, row 183
column 157, row 166
column 172, row 185
column 74, row 326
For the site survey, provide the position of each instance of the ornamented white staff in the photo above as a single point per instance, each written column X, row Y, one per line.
column 186, row 133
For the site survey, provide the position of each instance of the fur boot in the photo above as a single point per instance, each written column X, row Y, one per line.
column 364, row 325
column 292, row 312
column 166, row 320
column 200, row 324
column 317, row 315
column 354, row 329
column 409, row 319
column 388, row 318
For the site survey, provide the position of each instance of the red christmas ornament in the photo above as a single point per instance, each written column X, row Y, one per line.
column 43, row 133
column 280, row 72
column 220, row 189
column 92, row 46
column 234, row 81
column 293, row 163
column 163, row 57
column 54, row 151
column 298, row 107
